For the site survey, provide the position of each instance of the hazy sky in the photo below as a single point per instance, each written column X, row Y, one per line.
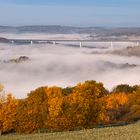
column 70, row 12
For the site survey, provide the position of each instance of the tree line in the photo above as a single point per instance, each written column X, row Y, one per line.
column 85, row 105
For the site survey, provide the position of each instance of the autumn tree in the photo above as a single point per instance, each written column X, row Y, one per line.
column 115, row 105
column 33, row 111
column 8, row 114
column 2, row 94
column 57, row 109
column 67, row 91
column 55, row 99
column 134, row 106
column 84, row 103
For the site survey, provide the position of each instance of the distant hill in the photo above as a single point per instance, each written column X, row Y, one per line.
column 56, row 29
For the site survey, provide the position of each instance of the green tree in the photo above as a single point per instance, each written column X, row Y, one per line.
column 124, row 88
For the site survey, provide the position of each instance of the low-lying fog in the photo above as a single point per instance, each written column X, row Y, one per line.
column 73, row 36
column 63, row 65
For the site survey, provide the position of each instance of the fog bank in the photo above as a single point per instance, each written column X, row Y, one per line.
column 62, row 65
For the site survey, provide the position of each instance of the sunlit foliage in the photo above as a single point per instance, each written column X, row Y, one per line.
column 85, row 105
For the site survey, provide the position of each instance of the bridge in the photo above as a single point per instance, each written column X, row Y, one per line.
column 54, row 41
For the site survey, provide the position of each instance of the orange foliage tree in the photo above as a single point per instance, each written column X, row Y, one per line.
column 8, row 114
column 115, row 105
column 85, row 106
column 55, row 100
column 32, row 112
column 134, row 106
column 53, row 108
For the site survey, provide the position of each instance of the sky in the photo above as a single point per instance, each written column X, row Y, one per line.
column 109, row 13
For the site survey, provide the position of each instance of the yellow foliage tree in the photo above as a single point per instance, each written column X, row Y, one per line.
column 134, row 106
column 7, row 114
column 32, row 112
column 115, row 104
column 55, row 101
column 85, row 103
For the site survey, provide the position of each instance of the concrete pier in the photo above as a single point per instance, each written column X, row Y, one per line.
column 54, row 43
column 31, row 42
column 137, row 43
column 111, row 44
column 12, row 41
column 80, row 44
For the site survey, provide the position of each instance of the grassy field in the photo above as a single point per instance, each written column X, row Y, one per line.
column 129, row 132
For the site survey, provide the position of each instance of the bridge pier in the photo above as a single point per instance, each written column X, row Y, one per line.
column 80, row 44
column 31, row 42
column 111, row 44
column 54, row 43
column 12, row 41
column 137, row 43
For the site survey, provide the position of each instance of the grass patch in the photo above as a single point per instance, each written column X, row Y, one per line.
column 128, row 132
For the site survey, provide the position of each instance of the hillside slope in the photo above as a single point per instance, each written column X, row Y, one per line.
column 129, row 132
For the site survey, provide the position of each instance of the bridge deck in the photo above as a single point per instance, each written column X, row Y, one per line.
column 52, row 40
